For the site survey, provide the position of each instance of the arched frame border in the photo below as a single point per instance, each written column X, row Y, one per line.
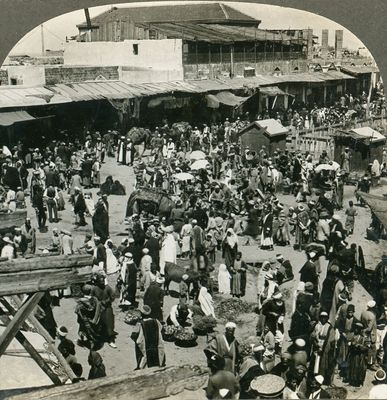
column 365, row 19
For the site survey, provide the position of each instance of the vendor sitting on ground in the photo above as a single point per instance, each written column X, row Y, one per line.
column 179, row 315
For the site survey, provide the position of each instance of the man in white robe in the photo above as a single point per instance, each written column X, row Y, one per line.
column 168, row 249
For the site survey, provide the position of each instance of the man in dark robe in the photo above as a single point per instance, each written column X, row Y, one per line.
column 99, row 253
column 88, row 312
column 149, row 345
column 11, row 177
column 105, row 294
column 79, row 207
column 154, row 298
column 101, row 221
column 153, row 245
column 309, row 271
column 130, row 279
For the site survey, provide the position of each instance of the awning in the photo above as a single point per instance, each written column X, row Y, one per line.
column 378, row 205
column 272, row 91
column 9, row 118
column 226, row 98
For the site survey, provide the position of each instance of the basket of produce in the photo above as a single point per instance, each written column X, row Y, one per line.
column 185, row 338
column 168, row 333
column 132, row 316
column 268, row 386
column 202, row 325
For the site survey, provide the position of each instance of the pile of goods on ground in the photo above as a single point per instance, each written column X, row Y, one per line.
column 231, row 309
column 204, row 324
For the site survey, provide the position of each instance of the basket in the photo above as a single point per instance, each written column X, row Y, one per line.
column 132, row 316
column 186, row 343
column 268, row 386
column 168, row 333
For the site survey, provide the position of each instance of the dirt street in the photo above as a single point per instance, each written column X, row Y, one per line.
column 122, row 359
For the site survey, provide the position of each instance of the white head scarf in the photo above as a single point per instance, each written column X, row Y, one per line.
column 232, row 240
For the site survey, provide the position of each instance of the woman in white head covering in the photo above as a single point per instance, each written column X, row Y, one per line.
column 230, row 248
column 375, row 172
column 224, row 279
column 206, row 302
column 111, row 260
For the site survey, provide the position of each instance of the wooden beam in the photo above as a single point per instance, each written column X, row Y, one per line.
column 42, row 280
column 46, row 262
column 50, row 342
column 18, row 319
column 150, row 384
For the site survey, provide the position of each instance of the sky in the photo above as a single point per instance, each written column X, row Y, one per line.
column 272, row 17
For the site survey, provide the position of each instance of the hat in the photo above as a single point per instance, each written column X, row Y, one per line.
column 145, row 250
column 130, row 240
column 279, row 257
column 97, row 237
column 351, row 307
column 268, row 276
column 185, row 277
column 359, row 324
column 277, row 296
column 323, row 314
column 258, row 348
column 312, row 254
column 145, row 310
column 194, row 221
column 300, row 342
column 62, row 331
column 301, row 207
column 309, row 286
column 129, row 255
column 319, row 379
column 230, row 325
column 77, row 188
column 370, row 304
column 6, row 239
column 380, row 375
column 224, row 392
column 334, row 269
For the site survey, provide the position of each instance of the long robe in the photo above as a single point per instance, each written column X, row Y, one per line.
column 357, row 360
column 106, row 297
column 153, row 297
column 168, row 251
column 224, row 280
column 230, row 352
column 149, row 344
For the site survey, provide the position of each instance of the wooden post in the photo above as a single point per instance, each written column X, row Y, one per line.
column 31, row 349
column 18, row 320
column 42, row 331
column 232, row 60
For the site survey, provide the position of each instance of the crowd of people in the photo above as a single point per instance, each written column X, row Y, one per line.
column 220, row 199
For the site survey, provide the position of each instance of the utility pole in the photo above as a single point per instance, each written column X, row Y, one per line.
column 42, row 38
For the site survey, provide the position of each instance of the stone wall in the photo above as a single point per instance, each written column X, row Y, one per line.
column 3, row 77
column 68, row 74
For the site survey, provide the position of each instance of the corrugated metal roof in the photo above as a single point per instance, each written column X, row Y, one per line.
column 333, row 75
column 9, row 118
column 18, row 96
column 359, row 69
column 210, row 12
column 218, row 33
column 272, row 127
column 367, row 132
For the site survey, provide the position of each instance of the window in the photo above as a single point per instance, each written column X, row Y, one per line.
column 152, row 34
column 13, row 81
column 135, row 49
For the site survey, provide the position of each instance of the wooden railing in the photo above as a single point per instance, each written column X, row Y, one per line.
column 316, row 140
